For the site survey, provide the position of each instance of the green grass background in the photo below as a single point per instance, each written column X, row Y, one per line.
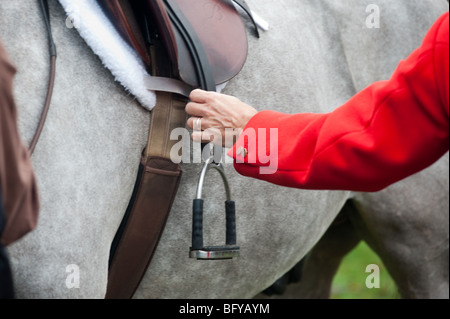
column 350, row 280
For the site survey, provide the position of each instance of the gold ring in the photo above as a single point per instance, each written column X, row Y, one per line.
column 197, row 125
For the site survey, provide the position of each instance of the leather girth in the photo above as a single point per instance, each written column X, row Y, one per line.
column 154, row 194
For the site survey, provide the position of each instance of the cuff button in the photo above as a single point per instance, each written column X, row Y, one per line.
column 242, row 152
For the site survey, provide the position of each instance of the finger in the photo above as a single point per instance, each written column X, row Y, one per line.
column 210, row 135
column 195, row 109
column 198, row 96
column 198, row 137
column 195, row 123
column 199, row 124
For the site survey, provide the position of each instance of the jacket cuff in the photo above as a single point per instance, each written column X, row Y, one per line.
column 258, row 143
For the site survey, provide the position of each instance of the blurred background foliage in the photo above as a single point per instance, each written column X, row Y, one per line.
column 350, row 280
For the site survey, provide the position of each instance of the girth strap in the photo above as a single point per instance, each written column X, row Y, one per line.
column 154, row 194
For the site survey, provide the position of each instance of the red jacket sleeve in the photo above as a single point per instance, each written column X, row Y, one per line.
column 388, row 131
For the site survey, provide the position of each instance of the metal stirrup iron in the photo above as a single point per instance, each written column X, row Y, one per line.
column 198, row 250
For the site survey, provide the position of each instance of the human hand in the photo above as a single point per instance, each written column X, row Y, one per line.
column 217, row 118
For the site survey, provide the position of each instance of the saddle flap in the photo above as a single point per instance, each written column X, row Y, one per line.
column 206, row 40
column 221, row 33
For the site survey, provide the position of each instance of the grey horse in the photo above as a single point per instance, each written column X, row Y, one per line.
column 316, row 55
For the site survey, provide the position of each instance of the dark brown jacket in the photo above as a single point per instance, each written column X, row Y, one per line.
column 17, row 181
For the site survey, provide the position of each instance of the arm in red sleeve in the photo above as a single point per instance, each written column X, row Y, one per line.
column 388, row 131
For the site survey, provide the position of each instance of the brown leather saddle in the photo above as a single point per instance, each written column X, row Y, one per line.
column 185, row 44
column 205, row 40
